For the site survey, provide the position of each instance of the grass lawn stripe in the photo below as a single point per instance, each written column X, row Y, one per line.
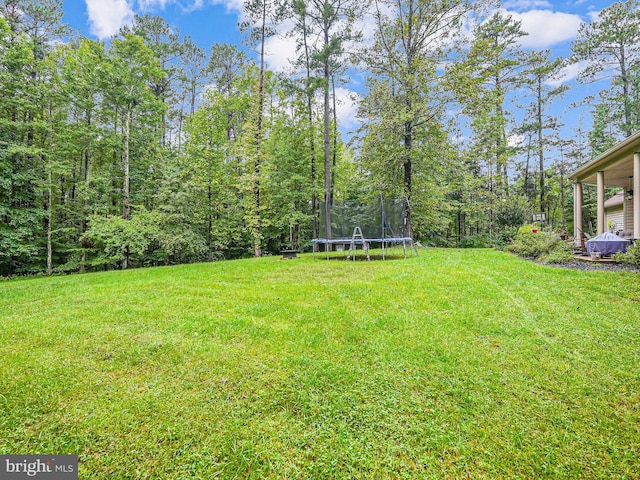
column 452, row 364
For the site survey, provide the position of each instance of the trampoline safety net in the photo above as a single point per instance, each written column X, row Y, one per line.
column 383, row 219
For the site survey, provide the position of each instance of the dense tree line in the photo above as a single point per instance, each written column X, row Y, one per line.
column 149, row 149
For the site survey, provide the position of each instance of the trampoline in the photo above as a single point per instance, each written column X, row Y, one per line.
column 359, row 226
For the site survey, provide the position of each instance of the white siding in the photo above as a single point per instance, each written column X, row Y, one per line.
column 616, row 216
column 628, row 214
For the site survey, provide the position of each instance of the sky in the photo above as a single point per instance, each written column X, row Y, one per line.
column 550, row 24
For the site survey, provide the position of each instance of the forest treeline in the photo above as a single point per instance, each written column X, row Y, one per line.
column 149, row 149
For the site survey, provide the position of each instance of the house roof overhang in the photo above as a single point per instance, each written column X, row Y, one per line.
column 615, row 201
column 616, row 163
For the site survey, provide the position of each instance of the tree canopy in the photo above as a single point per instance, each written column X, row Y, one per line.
column 149, row 149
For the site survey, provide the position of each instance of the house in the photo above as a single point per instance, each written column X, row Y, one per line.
column 614, row 213
column 617, row 167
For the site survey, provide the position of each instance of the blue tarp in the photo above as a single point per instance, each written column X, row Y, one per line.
column 607, row 244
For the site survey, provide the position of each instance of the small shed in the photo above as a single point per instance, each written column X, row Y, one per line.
column 614, row 213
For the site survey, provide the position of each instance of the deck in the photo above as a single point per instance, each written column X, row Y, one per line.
column 587, row 258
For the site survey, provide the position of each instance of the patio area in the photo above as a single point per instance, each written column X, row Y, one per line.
column 617, row 167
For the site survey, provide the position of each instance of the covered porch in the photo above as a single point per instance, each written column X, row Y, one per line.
column 617, row 167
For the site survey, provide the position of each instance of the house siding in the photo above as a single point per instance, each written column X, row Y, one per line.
column 616, row 216
column 628, row 214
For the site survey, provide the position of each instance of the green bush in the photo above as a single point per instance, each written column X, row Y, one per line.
column 475, row 241
column 504, row 237
column 630, row 257
column 512, row 211
column 546, row 246
column 561, row 253
column 525, row 229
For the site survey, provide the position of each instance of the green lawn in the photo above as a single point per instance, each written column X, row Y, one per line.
column 453, row 364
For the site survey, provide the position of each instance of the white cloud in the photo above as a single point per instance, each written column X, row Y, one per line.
column 280, row 50
column 515, row 140
column 594, row 16
column 230, row 5
column 107, row 16
column 153, row 4
column 547, row 28
column 196, row 5
column 567, row 74
column 347, row 102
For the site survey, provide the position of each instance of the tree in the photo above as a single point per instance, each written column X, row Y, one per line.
column 610, row 47
column 262, row 17
column 28, row 31
column 287, row 185
column 164, row 42
column 214, row 171
column 490, row 71
column 333, row 21
column 405, row 103
column 194, row 74
column 538, row 71
column 482, row 80
column 19, row 213
column 309, row 85
column 131, row 69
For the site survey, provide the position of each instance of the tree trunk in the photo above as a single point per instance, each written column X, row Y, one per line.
column 327, row 137
column 627, row 130
column 125, row 188
column 257, row 165
column 312, row 141
column 49, row 224
column 408, row 145
column 334, row 153
column 540, row 146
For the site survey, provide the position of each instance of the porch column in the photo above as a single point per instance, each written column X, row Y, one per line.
column 577, row 213
column 600, row 185
column 636, row 195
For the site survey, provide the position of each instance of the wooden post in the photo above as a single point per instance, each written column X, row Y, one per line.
column 636, row 195
column 578, row 227
column 601, row 222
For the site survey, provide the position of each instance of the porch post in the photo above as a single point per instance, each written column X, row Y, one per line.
column 577, row 213
column 600, row 182
column 636, row 195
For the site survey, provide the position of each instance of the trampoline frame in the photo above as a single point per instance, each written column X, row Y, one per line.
column 358, row 239
column 365, row 243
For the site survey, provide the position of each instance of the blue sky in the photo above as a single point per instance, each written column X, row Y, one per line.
column 551, row 24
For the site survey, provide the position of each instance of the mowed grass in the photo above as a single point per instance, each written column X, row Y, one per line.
column 452, row 364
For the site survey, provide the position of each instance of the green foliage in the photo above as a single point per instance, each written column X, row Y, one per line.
column 561, row 253
column 223, row 161
column 512, row 211
column 115, row 239
column 598, row 46
column 631, row 256
column 476, row 241
column 147, row 238
column 504, row 236
column 545, row 246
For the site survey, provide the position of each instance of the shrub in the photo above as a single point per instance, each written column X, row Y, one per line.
column 561, row 253
column 504, row 237
column 546, row 246
column 512, row 211
column 630, row 257
column 525, row 229
column 475, row 241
